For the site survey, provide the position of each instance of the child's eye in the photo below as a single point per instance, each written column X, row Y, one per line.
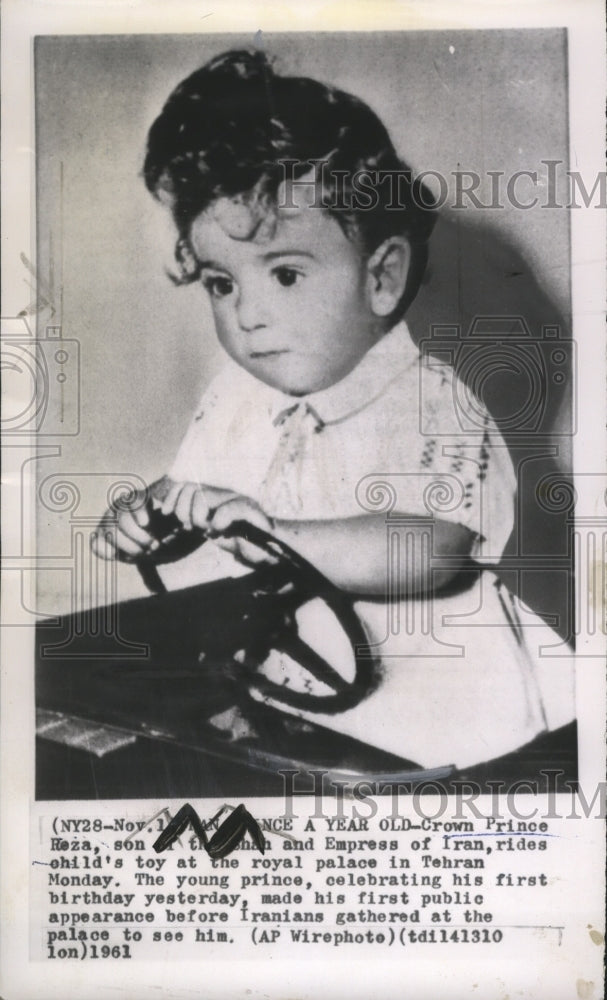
column 286, row 276
column 218, row 286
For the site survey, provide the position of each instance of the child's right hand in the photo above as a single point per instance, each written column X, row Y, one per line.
column 122, row 534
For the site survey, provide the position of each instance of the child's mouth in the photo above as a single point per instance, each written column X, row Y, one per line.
column 267, row 354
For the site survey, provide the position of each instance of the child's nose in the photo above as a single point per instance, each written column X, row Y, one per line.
column 251, row 310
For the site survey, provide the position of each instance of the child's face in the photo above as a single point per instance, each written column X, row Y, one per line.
column 291, row 304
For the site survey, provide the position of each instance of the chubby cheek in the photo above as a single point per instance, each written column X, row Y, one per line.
column 342, row 304
column 225, row 328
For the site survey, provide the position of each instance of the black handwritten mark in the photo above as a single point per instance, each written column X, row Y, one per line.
column 223, row 841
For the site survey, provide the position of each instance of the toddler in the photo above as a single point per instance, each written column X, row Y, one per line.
column 306, row 230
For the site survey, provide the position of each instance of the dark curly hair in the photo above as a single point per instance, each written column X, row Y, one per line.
column 235, row 127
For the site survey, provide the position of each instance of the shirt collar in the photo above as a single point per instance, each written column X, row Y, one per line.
column 381, row 365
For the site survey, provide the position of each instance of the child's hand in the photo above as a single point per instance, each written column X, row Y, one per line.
column 190, row 503
column 121, row 533
column 241, row 508
column 214, row 511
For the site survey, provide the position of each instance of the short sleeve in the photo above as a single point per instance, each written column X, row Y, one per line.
column 190, row 458
column 230, row 439
column 461, row 446
column 202, row 454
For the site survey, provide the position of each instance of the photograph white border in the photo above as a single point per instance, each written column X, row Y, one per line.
column 21, row 978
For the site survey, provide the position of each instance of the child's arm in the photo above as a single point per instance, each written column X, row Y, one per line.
column 123, row 530
column 351, row 552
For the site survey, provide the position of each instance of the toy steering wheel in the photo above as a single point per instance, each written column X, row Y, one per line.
column 277, row 592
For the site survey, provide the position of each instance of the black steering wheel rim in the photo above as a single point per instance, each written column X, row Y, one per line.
column 299, row 582
column 309, row 583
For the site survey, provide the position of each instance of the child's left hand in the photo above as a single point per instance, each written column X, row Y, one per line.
column 241, row 508
column 214, row 511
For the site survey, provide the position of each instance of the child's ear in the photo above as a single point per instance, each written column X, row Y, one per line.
column 388, row 268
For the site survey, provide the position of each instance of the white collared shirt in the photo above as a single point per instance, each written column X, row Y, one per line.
column 392, row 420
column 462, row 679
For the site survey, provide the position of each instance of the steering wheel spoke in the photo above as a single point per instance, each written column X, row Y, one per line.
column 278, row 592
